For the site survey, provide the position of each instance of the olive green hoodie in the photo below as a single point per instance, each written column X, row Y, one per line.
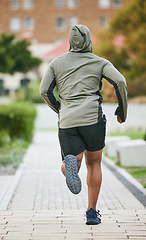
column 80, row 39
column 77, row 75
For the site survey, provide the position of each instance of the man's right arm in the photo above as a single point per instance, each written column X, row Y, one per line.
column 114, row 77
column 47, row 86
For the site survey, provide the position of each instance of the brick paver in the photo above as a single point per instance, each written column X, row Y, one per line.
column 70, row 224
column 43, row 208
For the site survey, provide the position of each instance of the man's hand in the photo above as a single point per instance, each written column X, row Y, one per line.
column 118, row 119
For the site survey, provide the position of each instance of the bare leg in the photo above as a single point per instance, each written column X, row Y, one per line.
column 79, row 161
column 94, row 176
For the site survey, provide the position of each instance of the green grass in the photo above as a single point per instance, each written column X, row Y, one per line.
column 139, row 173
column 132, row 135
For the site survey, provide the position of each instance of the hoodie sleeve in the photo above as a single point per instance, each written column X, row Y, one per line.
column 47, row 85
column 114, row 77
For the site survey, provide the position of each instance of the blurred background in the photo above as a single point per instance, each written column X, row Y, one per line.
column 34, row 32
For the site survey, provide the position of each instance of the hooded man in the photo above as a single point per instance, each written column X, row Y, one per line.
column 77, row 75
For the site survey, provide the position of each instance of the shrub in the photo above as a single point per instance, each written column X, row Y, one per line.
column 30, row 93
column 33, row 94
column 18, row 120
column 4, row 138
column 11, row 157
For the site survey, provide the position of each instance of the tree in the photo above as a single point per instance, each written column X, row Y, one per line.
column 15, row 56
column 130, row 57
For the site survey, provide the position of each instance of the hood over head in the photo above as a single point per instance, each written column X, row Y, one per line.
column 80, row 39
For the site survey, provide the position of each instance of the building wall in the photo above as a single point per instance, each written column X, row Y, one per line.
column 45, row 13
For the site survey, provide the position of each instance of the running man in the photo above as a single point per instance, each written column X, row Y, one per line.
column 78, row 75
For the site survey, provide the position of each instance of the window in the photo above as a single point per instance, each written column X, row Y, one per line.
column 73, row 21
column 104, row 3
column 15, row 24
column 28, row 23
column 27, row 4
column 60, row 23
column 14, row 4
column 104, row 21
column 72, row 3
column 117, row 3
column 59, row 3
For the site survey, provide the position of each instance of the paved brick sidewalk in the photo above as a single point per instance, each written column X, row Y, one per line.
column 70, row 224
column 42, row 207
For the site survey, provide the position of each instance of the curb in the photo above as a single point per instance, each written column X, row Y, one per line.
column 128, row 181
column 125, row 174
column 10, row 192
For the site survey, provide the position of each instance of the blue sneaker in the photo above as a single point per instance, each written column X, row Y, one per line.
column 72, row 178
column 92, row 217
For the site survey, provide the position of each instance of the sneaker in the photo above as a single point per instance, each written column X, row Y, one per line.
column 72, row 178
column 92, row 217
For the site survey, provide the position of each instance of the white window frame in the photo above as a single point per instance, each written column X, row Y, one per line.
column 105, row 25
column 117, row 5
column 60, row 28
column 14, row 4
column 59, row 3
column 31, row 26
column 72, row 4
column 73, row 21
column 27, row 4
column 104, row 4
column 15, row 24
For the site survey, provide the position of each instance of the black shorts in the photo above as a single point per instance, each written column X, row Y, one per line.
column 77, row 139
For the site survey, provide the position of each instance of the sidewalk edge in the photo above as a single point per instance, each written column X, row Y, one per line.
column 125, row 174
column 11, row 189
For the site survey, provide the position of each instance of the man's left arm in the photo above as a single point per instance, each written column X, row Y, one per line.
column 47, row 85
column 114, row 77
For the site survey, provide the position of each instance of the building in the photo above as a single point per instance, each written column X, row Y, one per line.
column 46, row 23
column 49, row 21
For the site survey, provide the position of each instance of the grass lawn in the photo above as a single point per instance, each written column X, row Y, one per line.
column 137, row 172
column 12, row 154
column 132, row 135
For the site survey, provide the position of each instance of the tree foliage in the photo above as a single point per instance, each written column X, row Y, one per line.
column 15, row 55
column 130, row 58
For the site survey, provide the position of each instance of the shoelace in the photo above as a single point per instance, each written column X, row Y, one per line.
column 98, row 213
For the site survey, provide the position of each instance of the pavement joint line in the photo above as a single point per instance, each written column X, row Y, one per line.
column 8, row 195
column 127, row 180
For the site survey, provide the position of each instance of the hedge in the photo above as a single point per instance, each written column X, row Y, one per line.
column 29, row 93
column 17, row 120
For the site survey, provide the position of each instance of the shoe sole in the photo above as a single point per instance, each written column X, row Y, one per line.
column 72, row 178
column 93, row 222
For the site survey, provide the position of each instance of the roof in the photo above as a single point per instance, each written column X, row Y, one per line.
column 60, row 49
column 57, row 51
